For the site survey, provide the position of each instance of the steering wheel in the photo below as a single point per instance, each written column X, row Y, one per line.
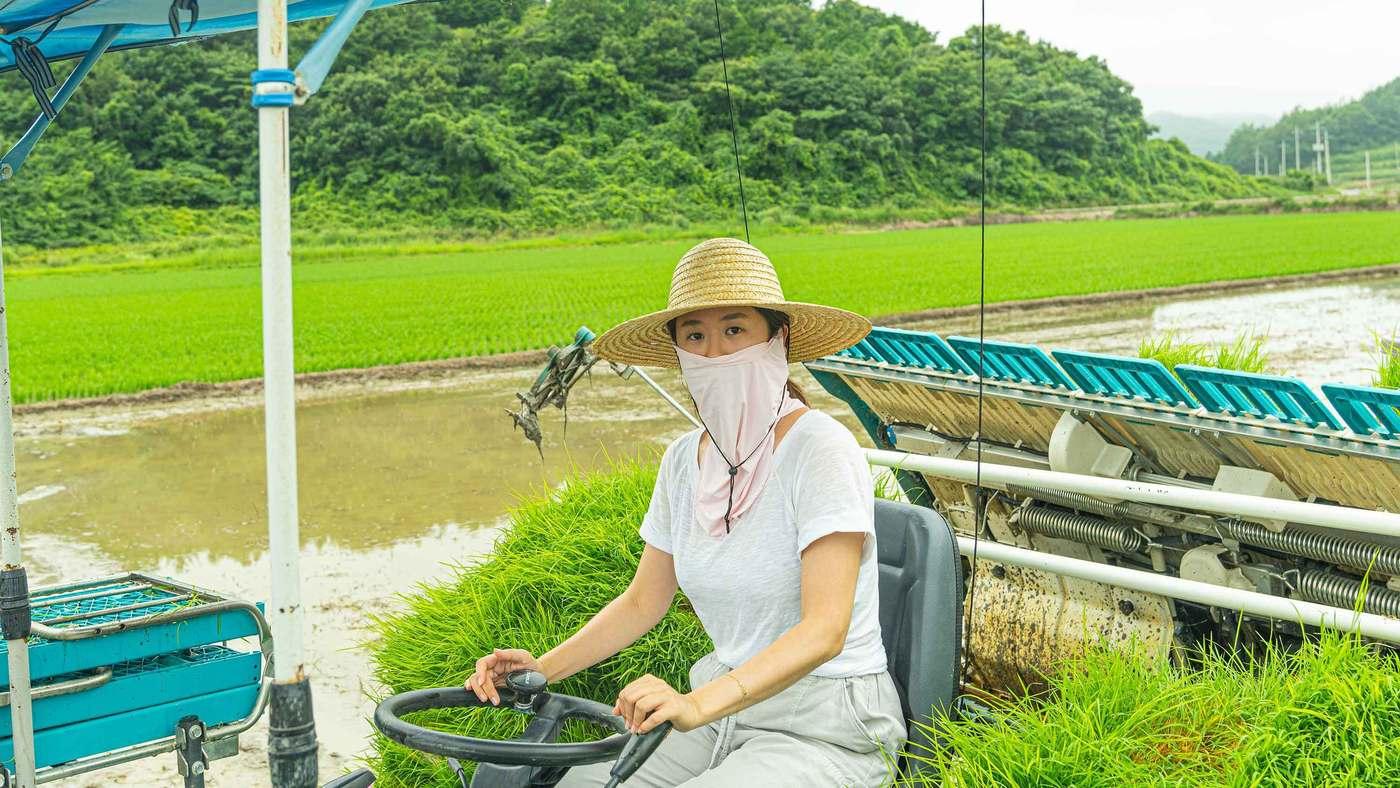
column 533, row 758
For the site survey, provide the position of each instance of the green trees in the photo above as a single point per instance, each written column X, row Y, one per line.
column 1369, row 122
column 484, row 115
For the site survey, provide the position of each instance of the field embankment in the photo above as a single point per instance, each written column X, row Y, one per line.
column 82, row 333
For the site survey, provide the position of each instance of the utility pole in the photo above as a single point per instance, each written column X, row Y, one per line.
column 1327, row 155
column 1317, row 148
column 1256, row 161
column 1283, row 158
column 1298, row 165
column 1368, row 170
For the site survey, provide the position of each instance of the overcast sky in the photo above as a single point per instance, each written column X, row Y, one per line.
column 1203, row 57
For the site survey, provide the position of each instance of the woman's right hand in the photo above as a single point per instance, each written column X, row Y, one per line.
column 491, row 672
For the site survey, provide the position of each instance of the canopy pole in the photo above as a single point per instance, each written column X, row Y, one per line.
column 292, row 730
column 14, row 584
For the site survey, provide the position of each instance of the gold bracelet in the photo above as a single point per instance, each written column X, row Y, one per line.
column 742, row 688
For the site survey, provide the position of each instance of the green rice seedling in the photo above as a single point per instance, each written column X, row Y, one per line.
column 1244, row 354
column 1170, row 349
column 1387, row 360
column 112, row 323
column 1325, row 714
column 565, row 555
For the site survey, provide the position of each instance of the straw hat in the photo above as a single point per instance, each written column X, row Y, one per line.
column 729, row 272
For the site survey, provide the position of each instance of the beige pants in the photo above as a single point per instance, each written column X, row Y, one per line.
column 819, row 732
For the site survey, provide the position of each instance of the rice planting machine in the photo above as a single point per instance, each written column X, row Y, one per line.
column 1155, row 509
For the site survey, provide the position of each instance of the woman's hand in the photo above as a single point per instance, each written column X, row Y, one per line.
column 648, row 701
column 491, row 672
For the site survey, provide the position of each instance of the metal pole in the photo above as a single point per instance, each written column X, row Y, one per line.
column 1253, row 602
column 14, row 585
column 292, row 733
column 1328, row 516
column 666, row 396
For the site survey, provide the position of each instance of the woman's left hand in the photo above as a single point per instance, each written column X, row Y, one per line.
column 648, row 701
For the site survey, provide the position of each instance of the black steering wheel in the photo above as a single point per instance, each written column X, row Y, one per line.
column 533, row 758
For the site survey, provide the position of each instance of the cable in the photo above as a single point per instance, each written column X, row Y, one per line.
column 980, row 504
column 733, row 124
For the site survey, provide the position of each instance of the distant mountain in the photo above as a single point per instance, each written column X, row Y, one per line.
column 1370, row 122
column 1203, row 134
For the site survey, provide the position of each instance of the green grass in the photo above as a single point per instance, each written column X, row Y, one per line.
column 1328, row 714
column 1387, row 361
column 98, row 332
column 561, row 560
column 1245, row 353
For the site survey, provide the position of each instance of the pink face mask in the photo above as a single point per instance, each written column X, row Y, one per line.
column 740, row 396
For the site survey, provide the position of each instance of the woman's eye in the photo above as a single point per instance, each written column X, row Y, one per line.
column 693, row 336
column 734, row 330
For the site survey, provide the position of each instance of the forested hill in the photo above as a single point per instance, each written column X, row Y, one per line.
column 1372, row 121
column 486, row 115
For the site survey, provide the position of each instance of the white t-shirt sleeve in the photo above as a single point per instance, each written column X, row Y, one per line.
column 656, row 523
column 835, row 491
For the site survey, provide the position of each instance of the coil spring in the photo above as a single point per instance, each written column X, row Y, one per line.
column 1073, row 500
column 1321, row 547
column 1067, row 525
column 1329, row 588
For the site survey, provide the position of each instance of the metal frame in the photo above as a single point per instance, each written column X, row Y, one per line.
column 220, row 603
column 1199, row 420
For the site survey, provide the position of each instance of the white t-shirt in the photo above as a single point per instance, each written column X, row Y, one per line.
column 746, row 586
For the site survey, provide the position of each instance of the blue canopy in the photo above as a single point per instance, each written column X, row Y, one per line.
column 146, row 22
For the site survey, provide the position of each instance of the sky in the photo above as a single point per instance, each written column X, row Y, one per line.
column 1203, row 57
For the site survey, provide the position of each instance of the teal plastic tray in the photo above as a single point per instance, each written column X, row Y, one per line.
column 147, row 682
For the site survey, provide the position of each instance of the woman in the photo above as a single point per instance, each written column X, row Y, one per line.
column 765, row 521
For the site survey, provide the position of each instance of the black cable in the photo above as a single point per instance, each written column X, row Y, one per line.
column 733, row 124
column 979, row 501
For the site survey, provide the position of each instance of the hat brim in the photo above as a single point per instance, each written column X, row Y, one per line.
column 814, row 331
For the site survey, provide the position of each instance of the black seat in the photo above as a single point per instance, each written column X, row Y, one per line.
column 920, row 612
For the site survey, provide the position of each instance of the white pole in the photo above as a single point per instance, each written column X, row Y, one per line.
column 1283, row 158
column 1327, row 155
column 1340, row 517
column 21, row 710
column 284, row 609
column 1297, row 162
column 1253, row 602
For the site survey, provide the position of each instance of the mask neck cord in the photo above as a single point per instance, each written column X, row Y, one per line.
column 734, row 468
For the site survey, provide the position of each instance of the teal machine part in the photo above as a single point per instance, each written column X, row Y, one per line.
column 1117, row 376
column 1011, row 361
column 913, row 485
column 1368, row 411
column 919, row 349
column 119, row 662
column 1251, row 394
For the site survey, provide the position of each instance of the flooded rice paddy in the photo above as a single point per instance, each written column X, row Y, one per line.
column 399, row 481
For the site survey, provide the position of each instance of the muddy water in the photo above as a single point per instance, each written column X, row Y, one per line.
column 1321, row 334
column 397, row 481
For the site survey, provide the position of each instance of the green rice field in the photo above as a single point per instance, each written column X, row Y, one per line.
column 93, row 332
